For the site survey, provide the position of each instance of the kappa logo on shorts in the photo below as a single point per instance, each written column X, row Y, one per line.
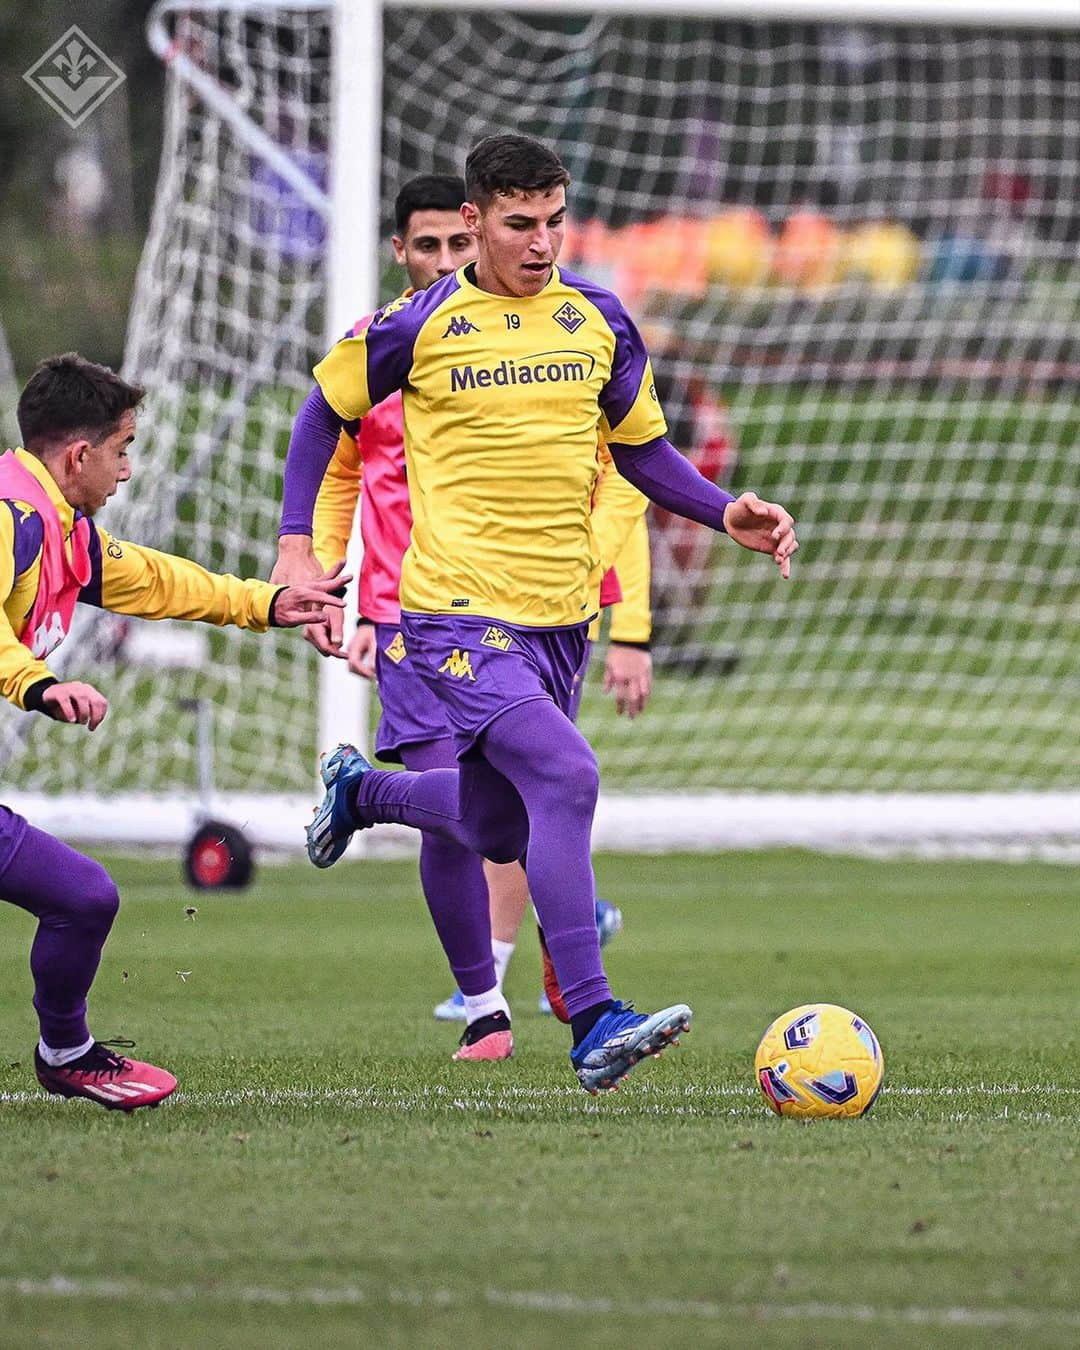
column 459, row 665
column 396, row 650
column 495, row 637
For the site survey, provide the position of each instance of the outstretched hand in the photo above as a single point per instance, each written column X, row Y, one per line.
column 73, row 701
column 312, row 601
column 764, row 527
column 297, row 565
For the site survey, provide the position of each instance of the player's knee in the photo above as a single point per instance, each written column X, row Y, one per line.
column 502, row 841
column 579, row 782
column 98, row 899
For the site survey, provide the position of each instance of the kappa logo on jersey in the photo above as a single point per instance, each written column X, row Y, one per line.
column 47, row 636
column 570, row 318
column 495, row 637
column 459, row 325
column 459, row 665
column 396, row 650
column 565, row 367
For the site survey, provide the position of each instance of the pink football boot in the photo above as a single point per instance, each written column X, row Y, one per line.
column 488, row 1038
column 107, row 1078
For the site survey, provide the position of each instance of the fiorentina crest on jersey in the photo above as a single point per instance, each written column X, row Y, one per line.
column 570, row 318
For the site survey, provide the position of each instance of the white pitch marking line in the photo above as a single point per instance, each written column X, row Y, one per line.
column 534, row 1300
column 648, row 1097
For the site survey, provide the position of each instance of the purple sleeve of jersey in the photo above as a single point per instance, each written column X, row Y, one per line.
column 311, row 447
column 629, row 359
column 671, row 481
column 628, row 363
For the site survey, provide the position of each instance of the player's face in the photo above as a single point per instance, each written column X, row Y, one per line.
column 100, row 468
column 519, row 236
column 435, row 244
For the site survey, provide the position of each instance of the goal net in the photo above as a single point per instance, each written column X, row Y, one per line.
column 852, row 250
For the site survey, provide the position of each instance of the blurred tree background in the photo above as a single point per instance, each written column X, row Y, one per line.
column 74, row 204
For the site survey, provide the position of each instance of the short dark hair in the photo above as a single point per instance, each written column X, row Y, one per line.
column 499, row 165
column 68, row 396
column 428, row 192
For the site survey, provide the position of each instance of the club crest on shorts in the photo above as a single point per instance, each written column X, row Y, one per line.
column 458, row 665
column 495, row 637
column 396, row 650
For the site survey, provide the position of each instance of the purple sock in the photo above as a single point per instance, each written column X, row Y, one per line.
column 554, row 770
column 75, row 901
column 535, row 786
column 455, row 889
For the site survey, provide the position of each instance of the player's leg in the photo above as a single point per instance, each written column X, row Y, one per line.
column 608, row 916
column 412, row 730
column 508, row 889
column 500, row 693
column 75, row 901
column 508, row 899
column 542, row 753
column 455, row 888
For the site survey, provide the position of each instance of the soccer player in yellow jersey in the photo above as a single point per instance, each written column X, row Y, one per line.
column 77, row 421
column 509, row 371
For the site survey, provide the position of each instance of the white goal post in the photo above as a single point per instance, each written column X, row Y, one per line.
column 849, row 231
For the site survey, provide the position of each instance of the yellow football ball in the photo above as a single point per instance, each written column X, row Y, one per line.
column 819, row 1060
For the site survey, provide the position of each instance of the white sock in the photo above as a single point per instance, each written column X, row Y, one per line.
column 502, row 952
column 483, row 1005
column 56, row 1059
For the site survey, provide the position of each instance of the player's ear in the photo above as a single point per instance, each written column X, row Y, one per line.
column 75, row 453
column 470, row 214
column 398, row 245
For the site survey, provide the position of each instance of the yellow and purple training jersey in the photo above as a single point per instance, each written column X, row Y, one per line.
column 504, row 398
column 125, row 578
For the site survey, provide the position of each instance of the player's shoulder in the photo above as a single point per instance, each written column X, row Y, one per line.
column 25, row 529
column 412, row 309
column 606, row 301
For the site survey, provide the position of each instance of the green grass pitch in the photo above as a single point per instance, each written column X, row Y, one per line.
column 327, row 1176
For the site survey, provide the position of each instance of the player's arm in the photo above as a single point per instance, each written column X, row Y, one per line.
column 631, row 618
column 628, row 663
column 635, row 431
column 131, row 579
column 26, row 681
column 23, row 678
column 335, row 506
column 357, row 373
column 617, row 507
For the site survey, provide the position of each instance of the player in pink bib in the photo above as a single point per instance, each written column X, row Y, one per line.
column 77, row 421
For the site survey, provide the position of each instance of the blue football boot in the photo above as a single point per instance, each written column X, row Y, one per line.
column 608, row 921
column 334, row 825
column 622, row 1037
column 451, row 1009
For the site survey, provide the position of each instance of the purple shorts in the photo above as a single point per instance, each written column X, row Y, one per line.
column 12, row 832
column 579, row 683
column 411, row 713
column 479, row 669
